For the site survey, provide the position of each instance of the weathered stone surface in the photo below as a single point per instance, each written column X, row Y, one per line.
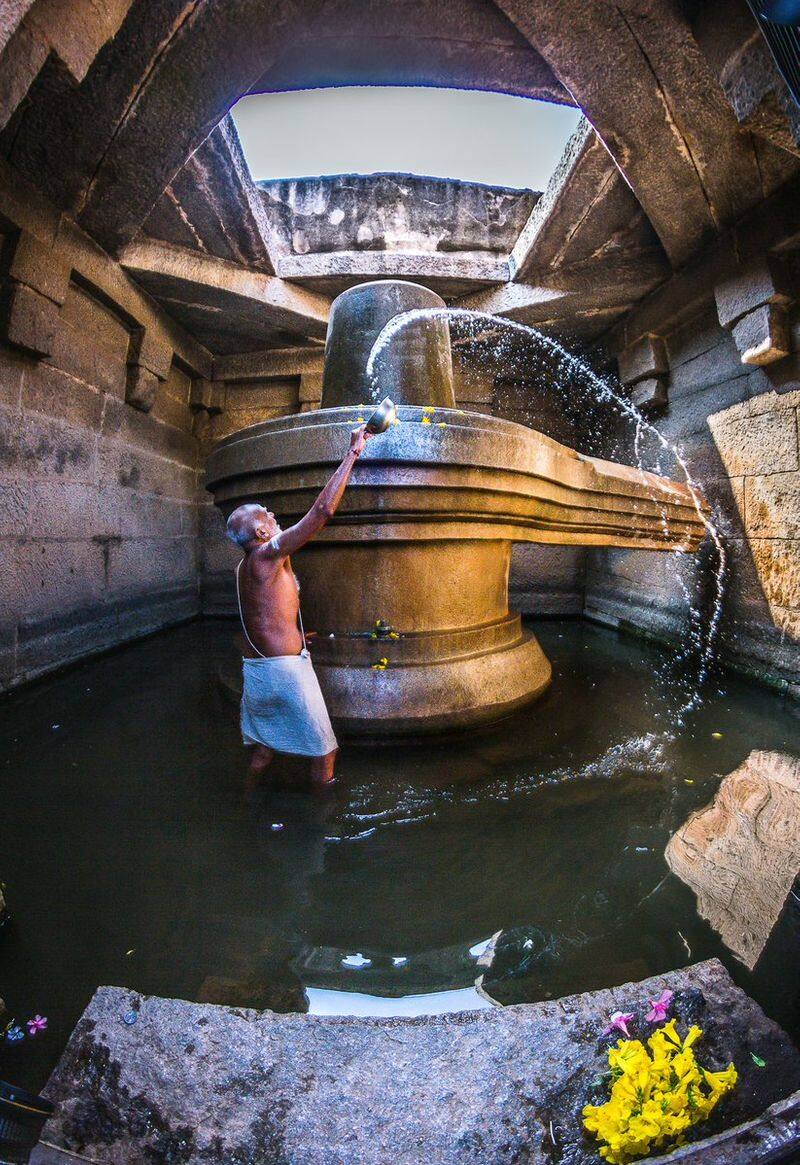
column 644, row 359
column 650, row 395
column 762, row 336
column 741, row 854
column 220, row 1084
column 28, row 320
column 394, row 213
column 771, row 505
column 766, row 281
column 753, row 445
column 659, row 101
column 213, row 205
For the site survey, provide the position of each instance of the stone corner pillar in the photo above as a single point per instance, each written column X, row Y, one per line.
column 644, row 370
column 752, row 305
column 149, row 362
column 33, row 286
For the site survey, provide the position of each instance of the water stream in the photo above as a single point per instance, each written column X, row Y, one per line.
column 571, row 375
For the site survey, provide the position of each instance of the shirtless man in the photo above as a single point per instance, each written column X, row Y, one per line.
column 283, row 709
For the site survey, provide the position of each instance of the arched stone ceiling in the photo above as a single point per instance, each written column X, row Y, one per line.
column 116, row 114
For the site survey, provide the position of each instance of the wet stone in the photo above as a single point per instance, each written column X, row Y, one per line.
column 194, row 1082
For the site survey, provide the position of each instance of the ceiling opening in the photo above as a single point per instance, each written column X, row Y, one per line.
column 471, row 135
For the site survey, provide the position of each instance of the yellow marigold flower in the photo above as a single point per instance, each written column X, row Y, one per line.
column 654, row 1098
column 428, row 409
column 381, row 665
column 426, row 421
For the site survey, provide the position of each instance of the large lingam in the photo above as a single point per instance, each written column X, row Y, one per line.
column 423, row 537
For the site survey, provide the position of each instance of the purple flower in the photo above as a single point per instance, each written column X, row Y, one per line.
column 37, row 1024
column 659, row 1007
column 619, row 1022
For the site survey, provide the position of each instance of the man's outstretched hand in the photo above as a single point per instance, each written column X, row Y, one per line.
column 358, row 439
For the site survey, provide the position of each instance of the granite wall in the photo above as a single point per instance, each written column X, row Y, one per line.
column 98, row 463
column 737, row 426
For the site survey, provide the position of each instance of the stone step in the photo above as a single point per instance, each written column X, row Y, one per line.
column 190, row 1082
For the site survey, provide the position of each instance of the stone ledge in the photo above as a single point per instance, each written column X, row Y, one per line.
column 198, row 1082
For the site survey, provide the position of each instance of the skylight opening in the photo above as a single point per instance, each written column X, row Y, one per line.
column 471, row 135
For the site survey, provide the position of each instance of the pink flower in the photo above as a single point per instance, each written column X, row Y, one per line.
column 658, row 1007
column 619, row 1022
column 37, row 1024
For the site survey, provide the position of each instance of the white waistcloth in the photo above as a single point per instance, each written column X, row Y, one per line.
column 283, row 706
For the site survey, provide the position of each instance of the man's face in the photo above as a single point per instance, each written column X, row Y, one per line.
column 267, row 525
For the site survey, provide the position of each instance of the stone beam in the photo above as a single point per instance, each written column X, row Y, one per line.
column 772, row 227
column 41, row 239
column 178, row 273
column 465, row 267
column 608, row 286
column 587, row 210
column 213, row 205
column 275, row 363
column 464, row 44
column 108, row 149
column 646, row 87
column 30, row 30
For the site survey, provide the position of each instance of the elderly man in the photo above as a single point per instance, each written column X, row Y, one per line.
column 283, row 709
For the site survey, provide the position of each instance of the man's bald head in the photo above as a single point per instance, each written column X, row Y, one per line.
column 251, row 523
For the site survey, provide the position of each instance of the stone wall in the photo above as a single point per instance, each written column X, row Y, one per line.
column 737, row 425
column 98, row 464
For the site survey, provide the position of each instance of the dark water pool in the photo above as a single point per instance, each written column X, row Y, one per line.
column 132, row 854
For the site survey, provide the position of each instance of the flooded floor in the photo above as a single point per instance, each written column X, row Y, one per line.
column 133, row 855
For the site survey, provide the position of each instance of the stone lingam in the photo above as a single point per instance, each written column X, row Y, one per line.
column 422, row 540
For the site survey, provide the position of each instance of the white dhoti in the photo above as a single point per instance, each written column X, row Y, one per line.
column 283, row 707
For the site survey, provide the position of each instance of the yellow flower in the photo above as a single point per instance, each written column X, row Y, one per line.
column 654, row 1098
column 426, row 421
column 381, row 665
column 442, row 424
column 428, row 409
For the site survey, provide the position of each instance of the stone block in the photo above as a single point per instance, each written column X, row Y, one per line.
column 135, row 563
column 136, row 469
column 645, row 358
column 90, row 363
column 419, row 1088
column 88, row 316
column 777, row 561
column 310, row 387
column 151, row 516
column 650, row 395
column 715, row 365
column 172, row 411
column 145, row 431
column 62, row 510
column 40, row 266
column 207, row 395
column 151, row 350
column 772, row 505
column 53, row 392
column 753, row 445
column 141, row 387
column 13, row 366
column 28, row 320
column 14, row 507
column 39, row 447
column 762, row 336
column 54, row 576
column 766, row 282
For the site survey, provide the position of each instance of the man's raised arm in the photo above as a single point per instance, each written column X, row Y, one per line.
column 326, row 504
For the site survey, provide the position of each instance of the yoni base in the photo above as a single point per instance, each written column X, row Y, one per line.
column 437, row 696
column 426, row 698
